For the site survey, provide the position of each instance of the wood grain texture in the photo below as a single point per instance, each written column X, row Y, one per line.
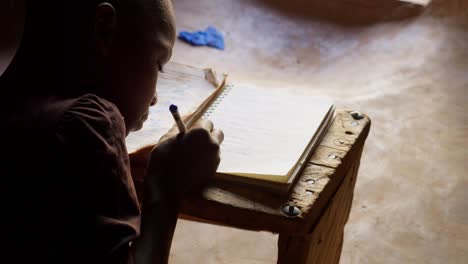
column 324, row 243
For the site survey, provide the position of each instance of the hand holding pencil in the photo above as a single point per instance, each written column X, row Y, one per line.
column 185, row 162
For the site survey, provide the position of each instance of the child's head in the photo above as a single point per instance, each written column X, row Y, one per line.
column 111, row 48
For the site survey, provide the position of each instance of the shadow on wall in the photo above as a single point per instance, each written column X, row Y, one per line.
column 12, row 13
column 346, row 12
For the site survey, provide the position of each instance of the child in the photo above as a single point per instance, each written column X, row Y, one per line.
column 83, row 77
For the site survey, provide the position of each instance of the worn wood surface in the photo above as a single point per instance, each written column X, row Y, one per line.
column 324, row 243
column 248, row 208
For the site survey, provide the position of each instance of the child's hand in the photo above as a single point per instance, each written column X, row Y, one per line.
column 183, row 163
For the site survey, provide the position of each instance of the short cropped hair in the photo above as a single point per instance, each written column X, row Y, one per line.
column 52, row 31
column 54, row 17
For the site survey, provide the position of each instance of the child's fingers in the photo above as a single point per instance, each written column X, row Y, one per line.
column 172, row 132
column 218, row 135
column 205, row 124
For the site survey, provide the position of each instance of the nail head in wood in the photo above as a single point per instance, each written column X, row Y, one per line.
column 339, row 141
column 291, row 210
column 310, row 181
column 357, row 115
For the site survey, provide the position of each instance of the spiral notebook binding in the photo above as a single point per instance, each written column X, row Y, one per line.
column 216, row 102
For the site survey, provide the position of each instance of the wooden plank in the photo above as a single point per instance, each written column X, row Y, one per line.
column 324, row 243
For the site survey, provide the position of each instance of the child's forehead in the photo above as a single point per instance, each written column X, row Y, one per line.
column 162, row 21
column 164, row 34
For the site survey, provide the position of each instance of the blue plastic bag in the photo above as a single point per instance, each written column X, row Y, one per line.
column 210, row 37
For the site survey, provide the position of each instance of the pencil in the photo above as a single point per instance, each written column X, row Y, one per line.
column 179, row 122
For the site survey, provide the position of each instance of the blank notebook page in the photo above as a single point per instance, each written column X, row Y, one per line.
column 265, row 131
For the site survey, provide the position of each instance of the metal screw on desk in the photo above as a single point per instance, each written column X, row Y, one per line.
column 333, row 156
column 310, row 181
column 357, row 115
column 290, row 210
column 339, row 141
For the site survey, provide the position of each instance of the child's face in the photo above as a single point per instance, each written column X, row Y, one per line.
column 135, row 72
column 142, row 78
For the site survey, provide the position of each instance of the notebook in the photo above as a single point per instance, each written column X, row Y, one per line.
column 269, row 135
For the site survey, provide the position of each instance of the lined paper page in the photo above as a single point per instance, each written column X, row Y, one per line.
column 265, row 131
column 182, row 85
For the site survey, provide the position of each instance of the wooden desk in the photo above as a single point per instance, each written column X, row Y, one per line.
column 322, row 196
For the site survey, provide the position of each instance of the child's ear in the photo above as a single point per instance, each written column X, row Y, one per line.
column 105, row 27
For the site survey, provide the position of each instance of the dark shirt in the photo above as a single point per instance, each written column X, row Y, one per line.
column 68, row 193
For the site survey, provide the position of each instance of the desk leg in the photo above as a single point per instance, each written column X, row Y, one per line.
column 323, row 245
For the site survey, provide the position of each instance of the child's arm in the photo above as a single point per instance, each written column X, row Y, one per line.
column 178, row 166
column 96, row 198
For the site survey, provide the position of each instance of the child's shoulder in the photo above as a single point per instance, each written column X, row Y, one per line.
column 88, row 118
column 83, row 128
column 87, row 108
column 84, row 122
